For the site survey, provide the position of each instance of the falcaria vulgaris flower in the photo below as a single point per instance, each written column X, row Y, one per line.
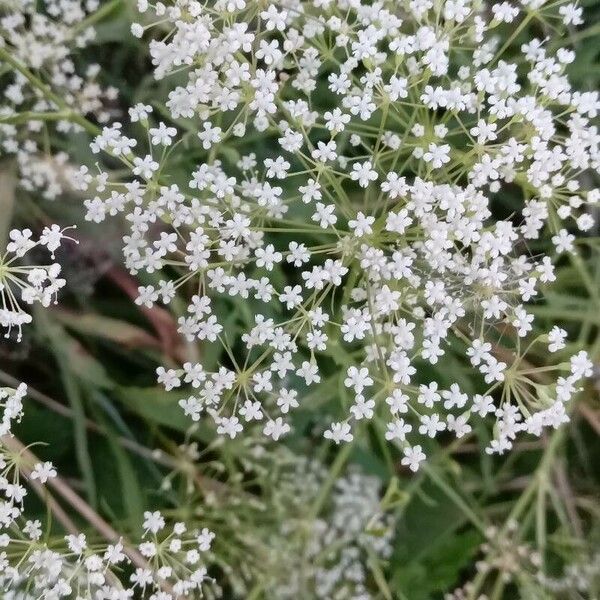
column 45, row 38
column 168, row 560
column 367, row 246
column 24, row 283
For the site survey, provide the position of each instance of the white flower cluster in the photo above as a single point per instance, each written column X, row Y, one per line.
column 11, row 404
column 175, row 556
column 24, row 282
column 167, row 563
column 84, row 570
column 45, row 39
column 340, row 544
column 371, row 233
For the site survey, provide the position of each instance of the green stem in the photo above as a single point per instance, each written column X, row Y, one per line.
column 54, row 335
column 47, row 92
column 541, row 475
column 24, row 117
column 334, row 472
column 97, row 16
column 455, row 497
column 498, row 588
column 8, row 184
column 514, row 35
column 526, row 497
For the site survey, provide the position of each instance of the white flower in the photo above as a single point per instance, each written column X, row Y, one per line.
column 43, row 471
column 276, row 428
column 397, row 430
column 413, row 457
column 363, row 173
column 358, row 379
column 556, row 339
column 362, row 408
column 230, row 426
column 438, row 156
column 137, row 30
column 361, row 224
column 282, row 281
column 153, row 521
column 339, row 432
column 210, row 135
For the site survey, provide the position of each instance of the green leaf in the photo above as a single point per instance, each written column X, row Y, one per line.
column 433, row 548
column 130, row 492
column 439, row 569
column 162, row 408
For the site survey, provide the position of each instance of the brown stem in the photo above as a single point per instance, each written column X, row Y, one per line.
column 163, row 322
column 57, row 510
column 159, row 458
column 80, row 505
column 590, row 415
column 564, row 489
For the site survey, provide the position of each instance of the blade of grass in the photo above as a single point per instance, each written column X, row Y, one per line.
column 8, row 184
column 52, row 333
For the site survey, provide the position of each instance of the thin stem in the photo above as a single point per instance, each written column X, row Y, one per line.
column 80, row 505
column 8, row 184
column 334, row 472
column 47, row 92
column 57, row 510
column 102, row 12
column 66, row 412
column 456, row 498
column 26, row 116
